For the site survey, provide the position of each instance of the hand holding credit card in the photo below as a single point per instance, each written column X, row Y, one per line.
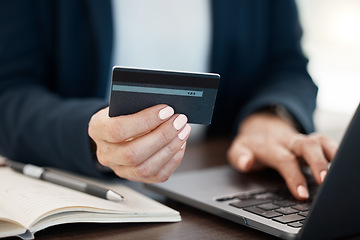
column 192, row 94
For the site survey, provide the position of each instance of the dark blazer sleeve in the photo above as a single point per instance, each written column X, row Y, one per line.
column 256, row 50
column 286, row 81
column 38, row 125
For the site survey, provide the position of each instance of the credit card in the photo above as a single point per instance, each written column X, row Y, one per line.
column 192, row 94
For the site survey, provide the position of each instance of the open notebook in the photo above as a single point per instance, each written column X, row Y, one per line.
column 28, row 205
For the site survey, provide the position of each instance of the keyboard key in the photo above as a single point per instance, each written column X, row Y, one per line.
column 283, row 193
column 287, row 210
column 289, row 218
column 284, row 203
column 268, row 206
column 249, row 202
column 304, row 214
column 295, row 224
column 263, row 213
column 302, row 206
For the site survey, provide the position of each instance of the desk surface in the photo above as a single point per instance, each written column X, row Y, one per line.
column 195, row 224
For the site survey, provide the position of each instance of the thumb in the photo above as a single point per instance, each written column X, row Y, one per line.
column 241, row 157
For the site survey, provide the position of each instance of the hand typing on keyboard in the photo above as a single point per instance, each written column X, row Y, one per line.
column 267, row 140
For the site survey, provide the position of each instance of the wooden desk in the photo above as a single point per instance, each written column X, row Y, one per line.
column 195, row 224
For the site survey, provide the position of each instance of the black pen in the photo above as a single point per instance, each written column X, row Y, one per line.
column 56, row 178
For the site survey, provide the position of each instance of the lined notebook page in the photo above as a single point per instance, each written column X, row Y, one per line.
column 30, row 199
column 4, row 214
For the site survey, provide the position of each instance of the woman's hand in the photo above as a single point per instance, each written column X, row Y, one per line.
column 146, row 146
column 266, row 140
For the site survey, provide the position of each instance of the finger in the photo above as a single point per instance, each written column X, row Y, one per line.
column 288, row 166
column 310, row 149
column 329, row 146
column 140, row 149
column 149, row 168
column 154, row 170
column 121, row 128
column 168, row 169
column 133, row 153
column 242, row 158
column 165, row 172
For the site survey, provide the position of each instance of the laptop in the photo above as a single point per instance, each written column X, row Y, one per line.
column 261, row 200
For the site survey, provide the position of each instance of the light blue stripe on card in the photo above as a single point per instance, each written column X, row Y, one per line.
column 165, row 91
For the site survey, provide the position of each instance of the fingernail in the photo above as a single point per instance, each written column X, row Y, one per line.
column 180, row 121
column 185, row 132
column 243, row 161
column 302, row 191
column 182, row 147
column 323, row 175
column 166, row 113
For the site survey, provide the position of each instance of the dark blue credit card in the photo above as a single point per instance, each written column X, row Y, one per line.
column 192, row 94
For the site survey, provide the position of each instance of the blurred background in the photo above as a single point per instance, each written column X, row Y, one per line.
column 331, row 41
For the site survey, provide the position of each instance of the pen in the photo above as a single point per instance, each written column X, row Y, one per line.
column 56, row 178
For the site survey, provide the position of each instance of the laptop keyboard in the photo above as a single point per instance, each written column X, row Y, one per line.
column 278, row 205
